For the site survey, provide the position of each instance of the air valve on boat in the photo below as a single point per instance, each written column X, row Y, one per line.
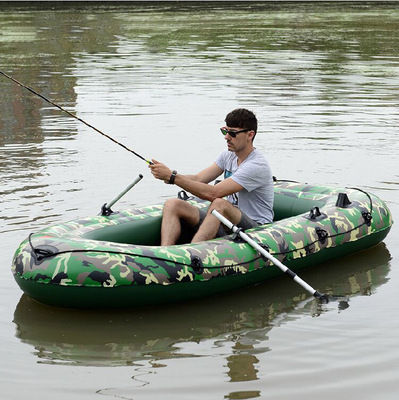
column 196, row 264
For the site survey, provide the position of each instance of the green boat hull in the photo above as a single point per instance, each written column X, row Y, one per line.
column 116, row 261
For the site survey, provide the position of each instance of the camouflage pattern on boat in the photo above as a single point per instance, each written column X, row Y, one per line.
column 67, row 255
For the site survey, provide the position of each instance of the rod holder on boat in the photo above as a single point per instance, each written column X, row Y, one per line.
column 106, row 208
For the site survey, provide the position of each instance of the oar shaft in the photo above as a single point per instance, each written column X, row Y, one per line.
column 117, row 198
column 73, row 116
column 266, row 254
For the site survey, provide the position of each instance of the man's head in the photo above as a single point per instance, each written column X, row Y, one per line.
column 242, row 118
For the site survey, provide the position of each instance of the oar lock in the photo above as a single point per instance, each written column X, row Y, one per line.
column 236, row 235
column 265, row 247
column 106, row 208
column 106, row 211
column 315, row 214
column 237, row 238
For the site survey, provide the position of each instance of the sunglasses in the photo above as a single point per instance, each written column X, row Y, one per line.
column 233, row 134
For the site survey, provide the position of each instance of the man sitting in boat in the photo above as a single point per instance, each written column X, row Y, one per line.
column 248, row 186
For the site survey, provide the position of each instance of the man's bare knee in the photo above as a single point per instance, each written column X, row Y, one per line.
column 227, row 209
column 220, row 205
column 182, row 210
column 173, row 205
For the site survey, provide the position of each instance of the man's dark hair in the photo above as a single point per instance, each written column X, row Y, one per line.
column 242, row 118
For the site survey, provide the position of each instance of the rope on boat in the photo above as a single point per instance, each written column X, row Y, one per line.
column 42, row 253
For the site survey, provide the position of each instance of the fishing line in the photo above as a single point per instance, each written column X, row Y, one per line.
column 74, row 116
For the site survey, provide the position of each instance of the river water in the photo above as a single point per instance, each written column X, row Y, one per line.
column 323, row 80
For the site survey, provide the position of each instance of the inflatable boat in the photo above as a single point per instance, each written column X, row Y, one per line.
column 116, row 260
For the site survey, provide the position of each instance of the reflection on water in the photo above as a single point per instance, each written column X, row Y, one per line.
column 76, row 337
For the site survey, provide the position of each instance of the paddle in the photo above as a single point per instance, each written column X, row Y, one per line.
column 73, row 116
column 322, row 297
column 106, row 208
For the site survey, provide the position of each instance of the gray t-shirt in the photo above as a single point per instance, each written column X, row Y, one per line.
column 255, row 176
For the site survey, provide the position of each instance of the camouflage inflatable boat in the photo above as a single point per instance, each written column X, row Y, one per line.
column 116, row 260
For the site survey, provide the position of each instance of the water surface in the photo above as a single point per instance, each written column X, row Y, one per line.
column 160, row 78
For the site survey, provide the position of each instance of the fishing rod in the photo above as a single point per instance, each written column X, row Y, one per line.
column 74, row 116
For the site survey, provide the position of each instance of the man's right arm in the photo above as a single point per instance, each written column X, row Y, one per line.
column 197, row 184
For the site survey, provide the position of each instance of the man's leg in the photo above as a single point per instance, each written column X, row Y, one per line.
column 211, row 224
column 174, row 211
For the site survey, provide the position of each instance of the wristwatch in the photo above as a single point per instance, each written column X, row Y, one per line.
column 172, row 177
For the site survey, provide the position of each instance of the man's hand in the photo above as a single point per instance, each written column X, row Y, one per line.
column 160, row 171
